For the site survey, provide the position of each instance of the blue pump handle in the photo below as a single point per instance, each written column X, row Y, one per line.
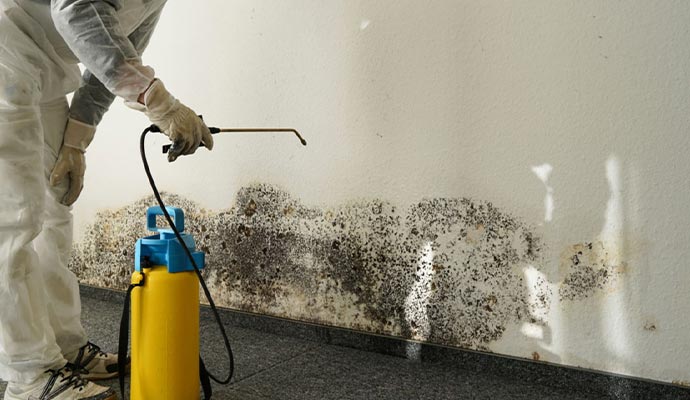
column 175, row 213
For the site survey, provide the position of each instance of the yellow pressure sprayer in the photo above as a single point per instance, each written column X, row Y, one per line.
column 165, row 314
column 164, row 302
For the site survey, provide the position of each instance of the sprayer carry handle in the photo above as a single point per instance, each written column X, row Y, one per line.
column 175, row 213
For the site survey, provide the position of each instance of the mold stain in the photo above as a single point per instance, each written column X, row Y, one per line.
column 589, row 268
column 444, row 270
column 650, row 327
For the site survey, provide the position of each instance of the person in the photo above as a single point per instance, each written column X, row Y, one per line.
column 44, row 351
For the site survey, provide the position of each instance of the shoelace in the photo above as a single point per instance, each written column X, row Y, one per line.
column 86, row 355
column 70, row 375
column 95, row 349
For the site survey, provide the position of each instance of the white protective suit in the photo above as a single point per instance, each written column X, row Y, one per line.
column 39, row 297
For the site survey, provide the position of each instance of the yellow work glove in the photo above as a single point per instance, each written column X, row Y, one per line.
column 71, row 163
column 184, row 128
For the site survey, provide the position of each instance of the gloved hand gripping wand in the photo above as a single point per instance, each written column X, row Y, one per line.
column 214, row 131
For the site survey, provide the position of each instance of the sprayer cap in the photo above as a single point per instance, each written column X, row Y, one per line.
column 164, row 248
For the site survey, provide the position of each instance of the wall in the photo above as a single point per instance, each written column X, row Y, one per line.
column 504, row 176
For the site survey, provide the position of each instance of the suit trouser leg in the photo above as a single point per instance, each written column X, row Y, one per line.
column 54, row 244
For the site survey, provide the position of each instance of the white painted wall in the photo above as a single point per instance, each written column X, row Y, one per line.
column 403, row 99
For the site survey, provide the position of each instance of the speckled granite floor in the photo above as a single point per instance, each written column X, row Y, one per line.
column 270, row 366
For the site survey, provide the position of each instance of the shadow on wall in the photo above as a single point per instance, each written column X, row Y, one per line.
column 447, row 271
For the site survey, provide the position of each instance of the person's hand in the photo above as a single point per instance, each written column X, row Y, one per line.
column 184, row 128
column 71, row 163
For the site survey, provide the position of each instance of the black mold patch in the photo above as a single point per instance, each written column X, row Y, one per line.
column 448, row 271
column 478, row 252
column 106, row 256
column 589, row 269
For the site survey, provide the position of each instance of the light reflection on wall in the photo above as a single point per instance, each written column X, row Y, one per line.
column 542, row 172
column 418, row 299
column 615, row 311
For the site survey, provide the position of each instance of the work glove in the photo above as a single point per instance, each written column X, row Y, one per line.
column 71, row 163
column 184, row 128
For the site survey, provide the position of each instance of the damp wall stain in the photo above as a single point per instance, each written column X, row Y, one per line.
column 445, row 270
column 589, row 268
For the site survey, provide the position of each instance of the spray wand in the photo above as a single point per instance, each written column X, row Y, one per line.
column 214, row 131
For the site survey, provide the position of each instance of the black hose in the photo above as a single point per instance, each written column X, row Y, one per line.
column 231, row 368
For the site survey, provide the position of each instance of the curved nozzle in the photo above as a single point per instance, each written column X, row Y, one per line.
column 260, row 130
